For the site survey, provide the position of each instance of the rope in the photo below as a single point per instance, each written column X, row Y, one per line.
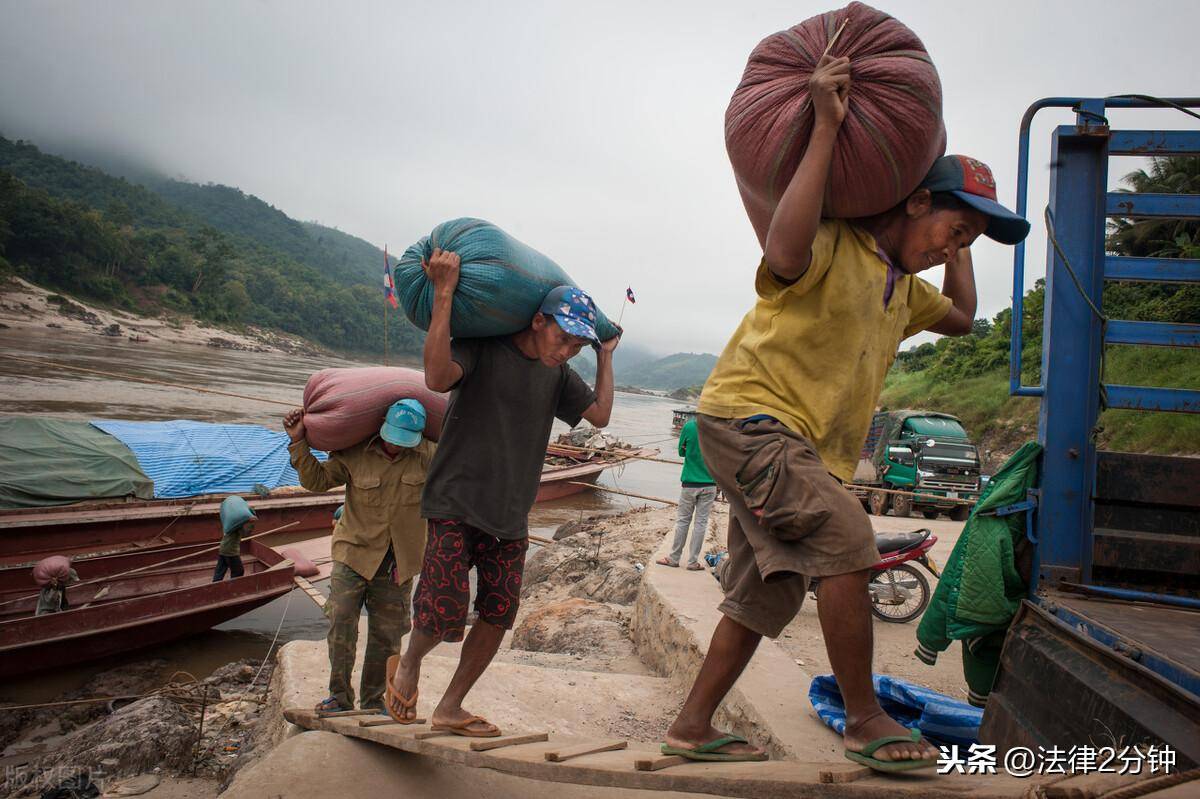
column 151, row 565
column 122, row 376
column 165, row 690
column 242, row 697
column 1157, row 100
column 1153, row 784
column 1095, row 310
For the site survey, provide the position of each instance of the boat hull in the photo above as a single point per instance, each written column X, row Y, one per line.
column 137, row 612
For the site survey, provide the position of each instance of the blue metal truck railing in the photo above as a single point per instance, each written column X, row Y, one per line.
column 1075, row 331
column 1090, row 117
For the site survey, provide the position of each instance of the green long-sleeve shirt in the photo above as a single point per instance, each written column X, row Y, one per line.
column 694, row 470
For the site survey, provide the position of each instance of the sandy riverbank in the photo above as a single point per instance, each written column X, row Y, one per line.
column 24, row 306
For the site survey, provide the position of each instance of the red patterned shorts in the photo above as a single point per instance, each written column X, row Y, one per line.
column 444, row 590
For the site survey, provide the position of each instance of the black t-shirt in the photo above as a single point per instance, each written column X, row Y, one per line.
column 493, row 445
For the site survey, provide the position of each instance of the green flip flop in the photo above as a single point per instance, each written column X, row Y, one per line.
column 708, row 752
column 865, row 756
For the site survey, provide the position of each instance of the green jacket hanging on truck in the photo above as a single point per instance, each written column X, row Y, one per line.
column 982, row 585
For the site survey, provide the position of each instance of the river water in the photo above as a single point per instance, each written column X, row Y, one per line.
column 46, row 390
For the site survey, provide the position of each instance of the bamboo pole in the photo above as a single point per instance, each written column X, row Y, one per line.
column 154, row 565
column 623, row 493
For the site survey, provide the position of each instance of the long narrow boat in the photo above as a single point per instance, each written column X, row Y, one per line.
column 29, row 534
column 124, row 611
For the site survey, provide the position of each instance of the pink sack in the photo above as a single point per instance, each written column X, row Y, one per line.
column 344, row 406
column 55, row 567
column 303, row 566
column 893, row 130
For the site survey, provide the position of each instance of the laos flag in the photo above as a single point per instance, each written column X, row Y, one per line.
column 389, row 288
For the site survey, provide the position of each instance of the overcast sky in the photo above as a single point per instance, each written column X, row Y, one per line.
column 593, row 132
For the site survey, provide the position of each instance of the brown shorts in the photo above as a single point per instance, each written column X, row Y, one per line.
column 789, row 519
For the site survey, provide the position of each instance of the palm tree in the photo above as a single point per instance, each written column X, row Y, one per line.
column 1159, row 238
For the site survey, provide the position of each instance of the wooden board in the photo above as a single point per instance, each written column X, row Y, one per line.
column 849, row 772
column 774, row 779
column 486, row 744
column 660, row 762
column 562, row 755
column 385, row 722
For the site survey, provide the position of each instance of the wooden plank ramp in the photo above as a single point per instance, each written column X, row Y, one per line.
column 535, row 755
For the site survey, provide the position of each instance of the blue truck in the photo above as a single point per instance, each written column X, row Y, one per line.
column 1105, row 651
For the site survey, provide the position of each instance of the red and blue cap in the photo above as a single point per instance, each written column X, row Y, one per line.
column 972, row 182
column 574, row 311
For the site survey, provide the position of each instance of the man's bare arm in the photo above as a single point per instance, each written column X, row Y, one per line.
column 788, row 250
column 959, row 286
column 441, row 372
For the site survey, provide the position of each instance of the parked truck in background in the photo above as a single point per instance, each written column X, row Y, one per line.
column 923, row 452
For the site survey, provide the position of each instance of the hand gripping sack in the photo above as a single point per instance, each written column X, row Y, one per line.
column 501, row 284
column 893, row 129
column 345, row 406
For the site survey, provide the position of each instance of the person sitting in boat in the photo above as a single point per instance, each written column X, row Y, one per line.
column 53, row 574
column 507, row 391
column 378, row 541
column 236, row 519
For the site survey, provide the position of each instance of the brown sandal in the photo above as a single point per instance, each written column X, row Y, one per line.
column 664, row 561
column 396, row 704
column 462, row 728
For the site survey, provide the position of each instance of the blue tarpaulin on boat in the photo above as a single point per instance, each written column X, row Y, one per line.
column 941, row 719
column 185, row 459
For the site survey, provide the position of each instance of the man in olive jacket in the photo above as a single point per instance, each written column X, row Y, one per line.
column 378, row 543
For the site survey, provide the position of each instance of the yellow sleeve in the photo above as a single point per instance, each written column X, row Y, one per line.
column 825, row 243
column 927, row 306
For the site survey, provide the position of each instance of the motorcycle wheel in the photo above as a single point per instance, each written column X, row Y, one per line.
column 912, row 580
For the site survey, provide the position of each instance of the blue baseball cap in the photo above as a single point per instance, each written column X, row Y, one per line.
column 404, row 423
column 337, row 514
column 971, row 181
column 574, row 311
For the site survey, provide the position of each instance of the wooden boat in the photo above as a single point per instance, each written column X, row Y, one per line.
column 30, row 534
column 122, row 611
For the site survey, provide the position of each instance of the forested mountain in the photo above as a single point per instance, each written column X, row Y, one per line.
column 210, row 251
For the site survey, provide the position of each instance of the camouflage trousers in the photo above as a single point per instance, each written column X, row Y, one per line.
column 389, row 618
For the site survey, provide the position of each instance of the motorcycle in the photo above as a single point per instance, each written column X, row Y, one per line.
column 899, row 593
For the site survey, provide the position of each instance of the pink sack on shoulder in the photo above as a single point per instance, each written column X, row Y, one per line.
column 345, row 406
column 893, row 130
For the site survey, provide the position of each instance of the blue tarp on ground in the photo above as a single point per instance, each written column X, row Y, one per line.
column 185, row 459
column 941, row 719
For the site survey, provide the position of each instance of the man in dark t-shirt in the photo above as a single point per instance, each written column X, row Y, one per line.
column 506, row 393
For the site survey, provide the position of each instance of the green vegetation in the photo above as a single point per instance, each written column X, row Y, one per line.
column 209, row 251
column 672, row 372
column 968, row 376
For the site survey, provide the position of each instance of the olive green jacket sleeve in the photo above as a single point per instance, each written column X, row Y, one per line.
column 314, row 475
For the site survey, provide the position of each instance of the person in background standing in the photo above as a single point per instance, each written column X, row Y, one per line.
column 696, row 498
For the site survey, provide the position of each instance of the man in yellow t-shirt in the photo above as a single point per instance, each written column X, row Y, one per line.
column 784, row 414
